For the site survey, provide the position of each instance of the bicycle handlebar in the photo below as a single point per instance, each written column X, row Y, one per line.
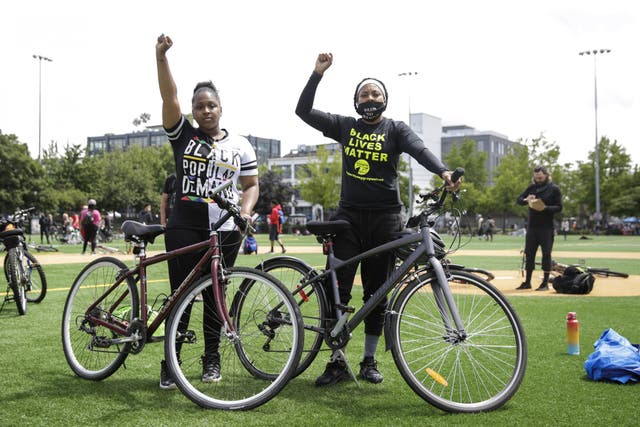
column 230, row 207
column 18, row 216
column 457, row 174
column 438, row 196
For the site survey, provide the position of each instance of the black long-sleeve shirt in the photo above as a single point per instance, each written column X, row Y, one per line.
column 370, row 153
column 552, row 198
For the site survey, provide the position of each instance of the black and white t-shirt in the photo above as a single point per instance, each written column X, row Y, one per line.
column 201, row 165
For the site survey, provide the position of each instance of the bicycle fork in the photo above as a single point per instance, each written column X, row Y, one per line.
column 446, row 305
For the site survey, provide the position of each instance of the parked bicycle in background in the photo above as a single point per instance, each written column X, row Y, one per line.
column 25, row 277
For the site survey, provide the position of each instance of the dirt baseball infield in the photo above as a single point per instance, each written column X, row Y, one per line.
column 506, row 280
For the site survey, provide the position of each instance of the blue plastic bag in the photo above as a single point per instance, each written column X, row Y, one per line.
column 614, row 358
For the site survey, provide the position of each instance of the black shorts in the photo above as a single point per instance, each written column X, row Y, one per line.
column 273, row 232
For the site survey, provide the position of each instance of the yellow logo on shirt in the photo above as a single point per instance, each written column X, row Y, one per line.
column 362, row 167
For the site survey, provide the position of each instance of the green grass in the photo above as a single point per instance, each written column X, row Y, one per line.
column 38, row 388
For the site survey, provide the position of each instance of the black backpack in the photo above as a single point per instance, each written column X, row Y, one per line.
column 87, row 219
column 574, row 280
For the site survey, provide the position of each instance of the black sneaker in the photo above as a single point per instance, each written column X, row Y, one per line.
column 543, row 287
column 524, row 285
column 334, row 373
column 166, row 382
column 211, row 368
column 369, row 370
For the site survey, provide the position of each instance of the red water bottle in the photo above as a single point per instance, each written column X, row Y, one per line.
column 573, row 333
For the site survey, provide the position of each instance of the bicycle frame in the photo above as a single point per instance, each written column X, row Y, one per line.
column 139, row 274
column 442, row 292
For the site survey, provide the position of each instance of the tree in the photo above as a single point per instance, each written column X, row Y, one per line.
column 543, row 152
column 617, row 190
column 473, row 161
column 272, row 186
column 67, row 177
column 130, row 179
column 322, row 182
column 627, row 203
column 512, row 175
column 21, row 175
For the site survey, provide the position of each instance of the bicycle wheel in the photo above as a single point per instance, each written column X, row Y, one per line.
column 605, row 272
column 310, row 298
column 255, row 318
column 477, row 373
column 89, row 347
column 35, row 279
column 16, row 282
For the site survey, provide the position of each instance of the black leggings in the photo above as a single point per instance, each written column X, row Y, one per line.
column 181, row 266
column 368, row 230
column 535, row 237
column 90, row 234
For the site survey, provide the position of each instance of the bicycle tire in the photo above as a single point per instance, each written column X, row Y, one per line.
column 476, row 374
column 484, row 274
column 605, row 272
column 14, row 269
column 85, row 344
column 311, row 299
column 238, row 388
column 35, row 279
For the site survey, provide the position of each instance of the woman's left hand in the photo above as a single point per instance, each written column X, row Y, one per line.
column 451, row 186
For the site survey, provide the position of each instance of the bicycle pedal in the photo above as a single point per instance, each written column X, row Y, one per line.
column 346, row 308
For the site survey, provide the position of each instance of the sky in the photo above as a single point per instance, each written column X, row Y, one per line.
column 510, row 67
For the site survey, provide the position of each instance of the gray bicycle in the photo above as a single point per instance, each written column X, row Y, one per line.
column 456, row 340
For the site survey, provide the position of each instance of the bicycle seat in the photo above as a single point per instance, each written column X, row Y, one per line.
column 9, row 233
column 147, row 233
column 327, row 228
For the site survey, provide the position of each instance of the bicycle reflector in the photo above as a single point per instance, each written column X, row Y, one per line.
column 437, row 377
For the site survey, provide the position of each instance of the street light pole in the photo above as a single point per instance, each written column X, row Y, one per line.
column 595, row 52
column 40, row 58
column 410, row 207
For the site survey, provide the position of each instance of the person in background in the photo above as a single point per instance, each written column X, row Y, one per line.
column 369, row 197
column 480, row 222
column 45, row 225
column 565, row 228
column 488, row 226
column 145, row 216
column 275, row 224
column 544, row 200
column 75, row 219
column 168, row 198
column 226, row 157
column 90, row 222
column 67, row 228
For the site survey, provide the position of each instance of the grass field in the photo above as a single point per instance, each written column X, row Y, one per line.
column 38, row 388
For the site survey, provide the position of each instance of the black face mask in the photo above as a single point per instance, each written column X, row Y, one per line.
column 371, row 110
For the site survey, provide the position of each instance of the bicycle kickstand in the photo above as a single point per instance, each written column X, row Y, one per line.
column 339, row 355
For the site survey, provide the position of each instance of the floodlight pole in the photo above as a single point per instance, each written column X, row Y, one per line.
column 40, row 58
column 595, row 52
